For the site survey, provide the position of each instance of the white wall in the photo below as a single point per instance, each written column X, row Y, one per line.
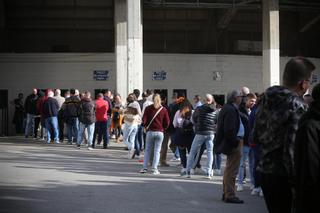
column 22, row 72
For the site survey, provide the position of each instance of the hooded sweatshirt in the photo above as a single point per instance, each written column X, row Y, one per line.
column 275, row 129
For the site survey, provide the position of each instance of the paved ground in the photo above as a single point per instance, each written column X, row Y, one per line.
column 40, row 178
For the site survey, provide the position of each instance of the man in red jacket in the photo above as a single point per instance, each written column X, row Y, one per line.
column 102, row 107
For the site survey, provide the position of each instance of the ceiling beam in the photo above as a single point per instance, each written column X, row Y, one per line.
column 310, row 24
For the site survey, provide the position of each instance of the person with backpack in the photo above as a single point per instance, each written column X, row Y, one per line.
column 204, row 119
column 184, row 132
column 87, row 119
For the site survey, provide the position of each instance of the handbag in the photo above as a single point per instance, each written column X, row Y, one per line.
column 155, row 115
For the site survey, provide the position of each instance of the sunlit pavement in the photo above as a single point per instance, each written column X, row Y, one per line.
column 56, row 178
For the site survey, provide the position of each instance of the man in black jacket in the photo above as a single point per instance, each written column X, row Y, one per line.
column 30, row 106
column 204, row 121
column 229, row 141
column 50, row 112
column 87, row 119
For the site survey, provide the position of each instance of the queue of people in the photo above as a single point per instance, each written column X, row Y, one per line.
column 275, row 131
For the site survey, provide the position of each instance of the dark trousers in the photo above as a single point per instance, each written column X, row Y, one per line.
column 277, row 193
column 256, row 173
column 61, row 128
column 100, row 130
column 138, row 140
column 164, row 148
column 36, row 126
column 183, row 154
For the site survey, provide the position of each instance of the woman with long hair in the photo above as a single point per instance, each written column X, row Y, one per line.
column 156, row 121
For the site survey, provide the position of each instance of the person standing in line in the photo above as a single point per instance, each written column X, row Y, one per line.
column 246, row 151
column 277, row 118
column 30, row 106
column 60, row 100
column 18, row 116
column 197, row 102
column 100, row 129
column 50, row 115
column 156, row 121
column 87, row 119
column 229, row 141
column 108, row 97
column 70, row 114
column 204, row 119
column 307, row 157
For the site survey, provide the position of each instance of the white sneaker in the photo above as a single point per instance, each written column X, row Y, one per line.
column 251, row 186
column 155, row 172
column 175, row 159
column 90, row 148
column 217, row 172
column 256, row 191
column 192, row 171
column 113, row 137
column 261, row 193
column 239, row 188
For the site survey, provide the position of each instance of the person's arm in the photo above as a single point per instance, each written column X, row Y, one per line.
column 166, row 119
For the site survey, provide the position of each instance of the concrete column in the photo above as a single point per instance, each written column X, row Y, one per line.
column 271, row 55
column 121, row 57
column 135, row 63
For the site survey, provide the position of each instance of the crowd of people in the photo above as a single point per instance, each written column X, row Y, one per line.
column 277, row 132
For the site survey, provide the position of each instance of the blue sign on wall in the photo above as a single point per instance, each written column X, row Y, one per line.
column 101, row 75
column 159, row 75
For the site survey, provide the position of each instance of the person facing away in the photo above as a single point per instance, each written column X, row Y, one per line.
column 86, row 119
column 50, row 115
column 307, row 158
column 276, row 124
column 18, row 113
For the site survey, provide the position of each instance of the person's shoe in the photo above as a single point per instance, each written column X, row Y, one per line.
column 188, row 174
column 155, row 172
column 208, row 176
column 140, row 160
column 233, row 200
column 57, row 142
column 90, row 148
column 78, row 146
column 217, row 172
column 143, row 171
column 175, row 159
column 223, row 198
column 113, row 137
column 192, row 171
column 239, row 188
column 261, row 193
column 255, row 191
column 183, row 172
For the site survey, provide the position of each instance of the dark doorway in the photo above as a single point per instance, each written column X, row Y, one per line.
column 220, row 99
column 181, row 92
column 97, row 91
column 163, row 93
column 4, row 115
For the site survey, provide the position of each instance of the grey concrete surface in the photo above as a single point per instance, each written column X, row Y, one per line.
column 49, row 178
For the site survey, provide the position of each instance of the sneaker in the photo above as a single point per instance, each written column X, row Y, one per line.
column 143, row 171
column 217, row 172
column 183, row 172
column 56, row 142
column 155, row 172
column 78, row 146
column 175, row 159
column 239, row 188
column 140, row 160
column 208, row 176
column 188, row 175
column 192, row 171
column 251, row 186
column 255, row 191
column 131, row 154
column 90, row 148
column 261, row 193
column 113, row 137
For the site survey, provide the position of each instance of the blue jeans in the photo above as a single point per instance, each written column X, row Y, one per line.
column 29, row 125
column 129, row 134
column 242, row 167
column 72, row 129
column 153, row 139
column 52, row 127
column 195, row 148
column 138, row 140
column 217, row 161
column 90, row 130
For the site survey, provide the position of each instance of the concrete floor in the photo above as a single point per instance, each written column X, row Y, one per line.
column 40, row 178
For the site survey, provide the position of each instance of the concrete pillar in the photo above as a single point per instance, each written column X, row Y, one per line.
column 271, row 54
column 135, row 63
column 121, row 57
